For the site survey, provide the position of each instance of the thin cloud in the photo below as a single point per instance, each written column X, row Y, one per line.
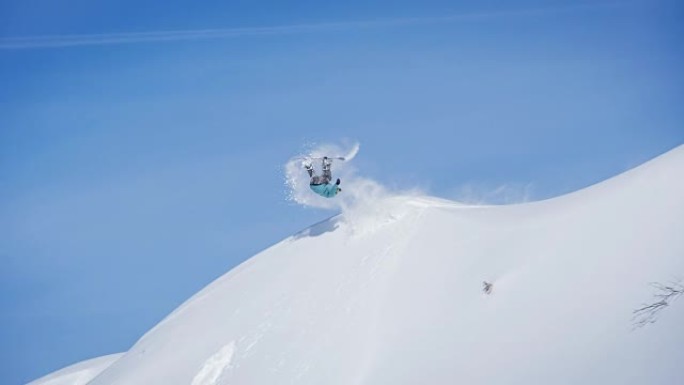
column 59, row 41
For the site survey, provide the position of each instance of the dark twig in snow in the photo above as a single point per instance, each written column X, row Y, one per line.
column 487, row 287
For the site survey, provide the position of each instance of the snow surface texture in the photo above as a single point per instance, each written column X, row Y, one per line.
column 390, row 292
column 213, row 368
column 78, row 374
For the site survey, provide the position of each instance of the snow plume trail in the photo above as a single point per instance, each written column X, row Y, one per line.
column 297, row 180
column 363, row 202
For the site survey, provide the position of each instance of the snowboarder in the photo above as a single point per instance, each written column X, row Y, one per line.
column 322, row 185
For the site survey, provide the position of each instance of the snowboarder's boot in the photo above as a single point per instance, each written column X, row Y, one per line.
column 309, row 168
column 338, row 181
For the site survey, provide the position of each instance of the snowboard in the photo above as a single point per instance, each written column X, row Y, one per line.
column 321, row 158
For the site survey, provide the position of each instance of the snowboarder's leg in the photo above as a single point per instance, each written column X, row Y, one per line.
column 327, row 173
column 309, row 169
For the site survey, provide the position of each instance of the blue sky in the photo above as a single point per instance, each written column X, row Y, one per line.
column 133, row 174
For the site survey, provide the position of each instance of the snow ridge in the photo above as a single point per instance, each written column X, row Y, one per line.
column 80, row 373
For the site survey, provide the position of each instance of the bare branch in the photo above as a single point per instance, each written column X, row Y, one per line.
column 665, row 294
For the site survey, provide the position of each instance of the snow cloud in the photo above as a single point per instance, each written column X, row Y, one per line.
column 360, row 198
column 505, row 194
column 354, row 187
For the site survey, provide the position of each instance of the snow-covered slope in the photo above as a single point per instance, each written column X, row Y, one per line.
column 391, row 293
column 80, row 373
